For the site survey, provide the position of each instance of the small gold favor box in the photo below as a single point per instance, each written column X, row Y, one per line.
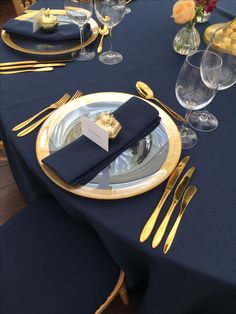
column 109, row 124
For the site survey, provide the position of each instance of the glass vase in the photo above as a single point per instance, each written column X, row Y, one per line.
column 187, row 39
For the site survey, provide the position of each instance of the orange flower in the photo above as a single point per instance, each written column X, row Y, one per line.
column 184, row 11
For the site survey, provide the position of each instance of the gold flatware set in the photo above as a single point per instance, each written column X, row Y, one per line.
column 31, row 66
column 181, row 191
column 62, row 101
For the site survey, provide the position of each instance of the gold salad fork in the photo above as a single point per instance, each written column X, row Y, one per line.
column 36, row 124
column 55, row 105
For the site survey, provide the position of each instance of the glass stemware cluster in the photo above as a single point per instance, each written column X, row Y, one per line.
column 109, row 12
column 195, row 88
column 202, row 74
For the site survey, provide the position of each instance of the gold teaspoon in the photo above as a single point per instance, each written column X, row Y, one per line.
column 188, row 195
column 146, row 92
column 103, row 30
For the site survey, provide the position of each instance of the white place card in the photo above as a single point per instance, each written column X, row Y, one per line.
column 95, row 133
column 35, row 21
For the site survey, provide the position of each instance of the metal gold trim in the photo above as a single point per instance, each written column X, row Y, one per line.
column 8, row 41
column 42, row 150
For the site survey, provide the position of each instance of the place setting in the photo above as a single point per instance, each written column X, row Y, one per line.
column 126, row 145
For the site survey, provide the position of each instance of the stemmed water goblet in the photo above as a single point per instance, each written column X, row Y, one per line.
column 191, row 91
column 110, row 13
column 221, row 43
column 79, row 12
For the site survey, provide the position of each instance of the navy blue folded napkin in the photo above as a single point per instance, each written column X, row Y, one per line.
column 82, row 160
column 63, row 32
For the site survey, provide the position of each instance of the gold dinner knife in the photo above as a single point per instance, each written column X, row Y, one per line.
column 147, row 229
column 26, row 66
column 179, row 191
column 46, row 69
column 3, row 64
column 188, row 195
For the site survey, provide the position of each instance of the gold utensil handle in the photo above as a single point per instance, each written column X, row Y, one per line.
column 33, row 126
column 147, row 229
column 3, row 64
column 47, row 69
column 171, row 235
column 99, row 50
column 162, row 228
column 169, row 187
column 26, row 66
column 171, row 112
column 188, row 195
column 26, row 122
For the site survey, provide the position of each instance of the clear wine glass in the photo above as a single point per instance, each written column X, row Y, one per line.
column 79, row 12
column 127, row 9
column 110, row 13
column 192, row 93
column 221, row 43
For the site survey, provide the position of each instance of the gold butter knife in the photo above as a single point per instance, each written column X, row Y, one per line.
column 47, row 69
column 188, row 195
column 147, row 229
column 179, row 191
column 26, row 66
column 3, row 64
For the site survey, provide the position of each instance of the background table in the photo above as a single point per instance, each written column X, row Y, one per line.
column 198, row 275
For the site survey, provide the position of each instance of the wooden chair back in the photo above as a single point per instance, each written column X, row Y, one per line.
column 22, row 5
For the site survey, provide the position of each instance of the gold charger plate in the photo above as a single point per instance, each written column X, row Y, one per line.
column 160, row 150
column 9, row 41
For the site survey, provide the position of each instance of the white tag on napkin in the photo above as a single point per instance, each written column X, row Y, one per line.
column 95, row 133
column 35, row 21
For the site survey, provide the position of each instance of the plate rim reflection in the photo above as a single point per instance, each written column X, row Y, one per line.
column 173, row 156
column 10, row 43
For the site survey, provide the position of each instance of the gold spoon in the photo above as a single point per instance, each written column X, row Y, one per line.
column 47, row 69
column 103, row 30
column 188, row 195
column 146, row 92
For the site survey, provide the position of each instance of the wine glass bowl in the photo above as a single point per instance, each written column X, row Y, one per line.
column 193, row 93
column 110, row 13
column 80, row 12
column 222, row 43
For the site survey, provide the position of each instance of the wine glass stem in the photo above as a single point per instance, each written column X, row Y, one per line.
column 81, row 38
column 111, row 47
column 185, row 123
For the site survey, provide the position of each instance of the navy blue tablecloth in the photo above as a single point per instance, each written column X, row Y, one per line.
column 198, row 275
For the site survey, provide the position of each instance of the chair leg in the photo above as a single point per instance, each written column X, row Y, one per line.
column 2, row 153
column 124, row 294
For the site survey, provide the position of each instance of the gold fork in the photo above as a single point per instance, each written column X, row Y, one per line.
column 36, row 124
column 55, row 105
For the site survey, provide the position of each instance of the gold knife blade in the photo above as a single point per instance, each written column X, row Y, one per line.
column 26, row 66
column 147, row 229
column 188, row 195
column 179, row 191
column 3, row 64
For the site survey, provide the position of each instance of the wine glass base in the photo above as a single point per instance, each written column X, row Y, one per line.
column 83, row 55
column 110, row 57
column 202, row 121
column 127, row 10
column 188, row 137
